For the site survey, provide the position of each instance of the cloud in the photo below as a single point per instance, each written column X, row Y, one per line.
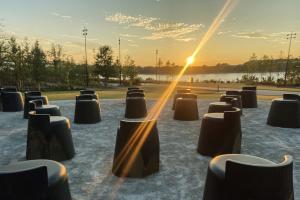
column 126, row 35
column 223, row 32
column 131, row 21
column 64, row 17
column 252, row 35
column 276, row 37
column 186, row 39
column 156, row 27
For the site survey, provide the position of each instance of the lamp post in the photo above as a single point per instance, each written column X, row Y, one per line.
column 289, row 37
column 156, row 53
column 85, row 30
column 120, row 67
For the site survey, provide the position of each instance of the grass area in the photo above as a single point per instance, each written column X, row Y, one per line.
column 240, row 85
column 154, row 91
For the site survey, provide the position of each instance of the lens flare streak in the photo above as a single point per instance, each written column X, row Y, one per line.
column 132, row 148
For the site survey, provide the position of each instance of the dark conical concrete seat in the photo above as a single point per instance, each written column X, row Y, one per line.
column 135, row 107
column 219, row 107
column 11, row 100
column 135, row 94
column 9, row 89
column 146, row 159
column 34, row 180
column 220, row 133
column 291, row 97
column 39, row 108
column 135, row 91
column 249, row 97
column 234, row 100
column 239, row 177
column 89, row 92
column 285, row 112
column 178, row 95
column 233, row 92
column 133, row 88
column 33, row 95
column 186, row 109
column 49, row 137
column 183, row 95
column 87, row 110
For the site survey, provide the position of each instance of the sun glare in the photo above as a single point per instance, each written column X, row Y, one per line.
column 137, row 140
column 190, row 60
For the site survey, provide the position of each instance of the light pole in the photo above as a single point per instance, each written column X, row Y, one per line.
column 156, row 53
column 289, row 37
column 120, row 67
column 85, row 30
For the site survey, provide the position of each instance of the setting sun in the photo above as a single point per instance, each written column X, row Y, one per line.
column 190, row 60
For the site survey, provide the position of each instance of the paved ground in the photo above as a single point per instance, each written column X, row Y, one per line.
column 182, row 171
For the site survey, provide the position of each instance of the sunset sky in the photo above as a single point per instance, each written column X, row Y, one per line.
column 174, row 27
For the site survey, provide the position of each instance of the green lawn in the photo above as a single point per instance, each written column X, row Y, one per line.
column 154, row 91
column 240, row 85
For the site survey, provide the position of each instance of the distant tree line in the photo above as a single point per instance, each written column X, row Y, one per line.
column 265, row 64
column 30, row 66
column 253, row 65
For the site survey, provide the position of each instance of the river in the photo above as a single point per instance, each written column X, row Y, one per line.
column 207, row 77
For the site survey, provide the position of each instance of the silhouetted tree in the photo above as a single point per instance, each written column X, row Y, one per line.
column 56, row 64
column 104, row 63
column 38, row 61
column 118, row 67
column 14, row 58
column 130, row 69
column 3, row 59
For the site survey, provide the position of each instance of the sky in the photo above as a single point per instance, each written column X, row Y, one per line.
column 173, row 27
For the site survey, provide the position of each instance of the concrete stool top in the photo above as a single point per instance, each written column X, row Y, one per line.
column 55, row 169
column 218, row 163
column 217, row 116
column 219, row 107
column 239, row 176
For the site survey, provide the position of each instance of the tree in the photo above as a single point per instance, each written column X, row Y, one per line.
column 14, row 60
column 168, row 63
column 168, row 66
column 38, row 61
column 14, row 65
column 3, row 60
column 160, row 63
column 118, row 67
column 129, row 69
column 294, row 72
column 56, row 61
column 56, row 55
column 252, row 63
column 25, row 62
column 104, row 63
